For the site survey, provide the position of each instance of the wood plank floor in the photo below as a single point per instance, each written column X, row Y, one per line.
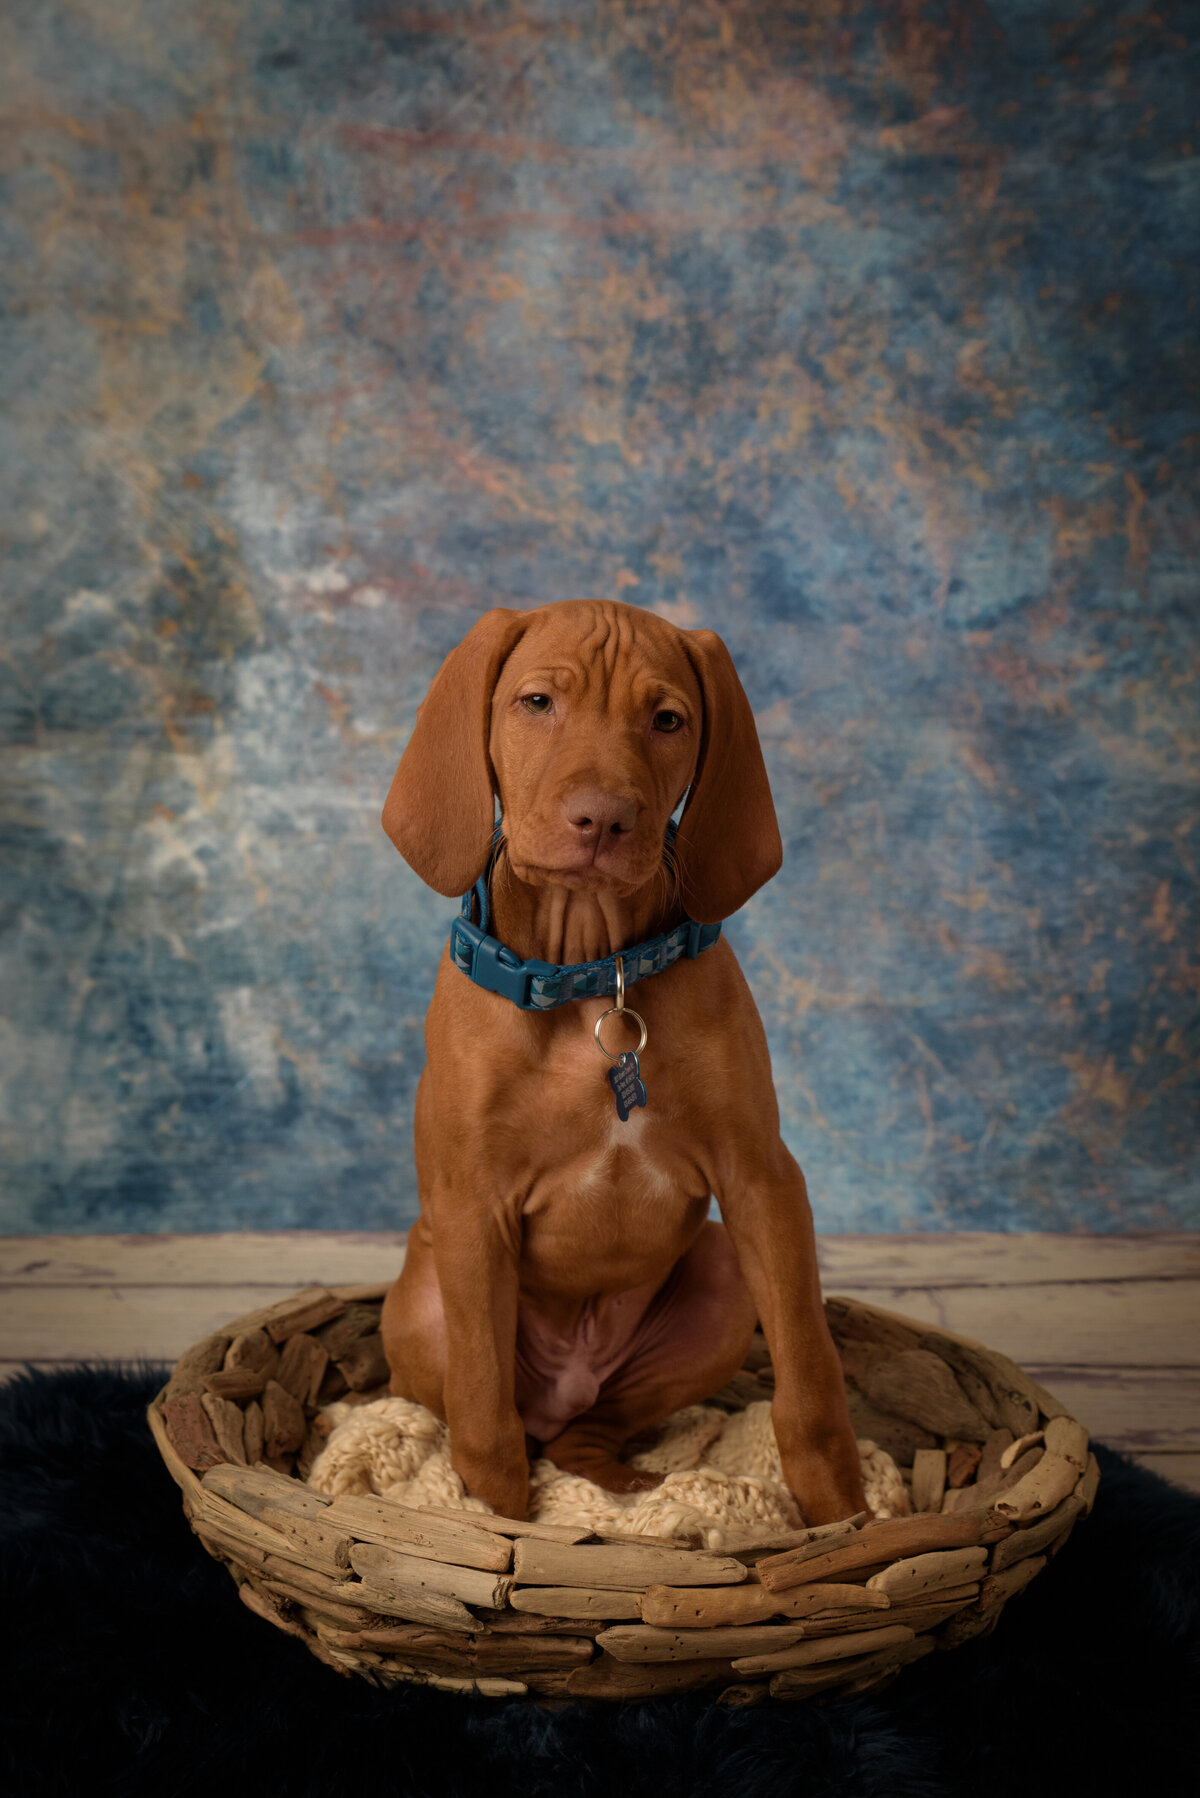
column 1111, row 1324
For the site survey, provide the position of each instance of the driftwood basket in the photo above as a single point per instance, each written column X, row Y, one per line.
column 998, row 1474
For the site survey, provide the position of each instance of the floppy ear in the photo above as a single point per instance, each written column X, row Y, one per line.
column 439, row 812
column 728, row 842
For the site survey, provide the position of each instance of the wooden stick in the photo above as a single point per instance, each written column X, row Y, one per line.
column 481, row 1685
column 386, row 1568
column 284, row 1423
column 532, row 1654
column 841, row 1623
column 852, row 1675
column 440, row 1651
column 252, row 1351
column 238, row 1384
column 929, row 1479
column 919, row 1386
column 968, row 1625
column 610, row 1678
column 190, row 1431
column 925, row 1573
column 816, row 1541
column 960, row 1468
column 1001, row 1391
column 899, row 1438
column 364, row 1364
column 1037, row 1536
column 825, row 1648
column 937, row 1607
column 575, row 1601
column 993, row 1451
column 997, row 1588
column 254, row 1491
column 511, row 1526
column 302, row 1368
column 489, row 1654
column 649, row 1539
column 981, row 1496
column 252, row 1432
column 202, row 1358
column 539, row 1563
column 356, row 1321
column 1053, row 1479
column 875, row 1542
column 1016, row 1449
column 1089, row 1485
column 640, row 1642
column 520, row 1623
column 851, row 1321
column 270, row 1608
column 703, row 1607
column 1067, row 1438
column 305, row 1310
column 806, row 1682
column 413, row 1604
column 297, row 1584
column 414, row 1532
column 234, row 1527
column 309, row 1579
column 744, row 1694
column 326, row 1545
column 175, row 1465
column 226, row 1420
column 752, row 1549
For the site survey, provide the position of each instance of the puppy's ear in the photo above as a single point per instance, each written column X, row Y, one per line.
column 728, row 842
column 439, row 812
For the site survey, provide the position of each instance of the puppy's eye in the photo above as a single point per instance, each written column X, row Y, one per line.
column 667, row 721
column 538, row 702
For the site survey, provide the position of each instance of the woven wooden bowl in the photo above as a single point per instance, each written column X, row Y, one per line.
column 998, row 1475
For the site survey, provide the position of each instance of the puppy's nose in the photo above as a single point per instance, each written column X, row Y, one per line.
column 596, row 814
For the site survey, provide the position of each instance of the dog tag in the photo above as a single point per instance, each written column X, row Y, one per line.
column 626, row 1082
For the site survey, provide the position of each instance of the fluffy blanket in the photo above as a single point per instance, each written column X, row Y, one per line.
column 722, row 1477
column 134, row 1671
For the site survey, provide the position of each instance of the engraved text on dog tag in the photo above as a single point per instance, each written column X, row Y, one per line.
column 626, row 1082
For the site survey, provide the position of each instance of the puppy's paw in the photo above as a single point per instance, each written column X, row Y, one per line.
column 501, row 1479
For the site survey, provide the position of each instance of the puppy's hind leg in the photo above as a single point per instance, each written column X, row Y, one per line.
column 414, row 1329
column 693, row 1339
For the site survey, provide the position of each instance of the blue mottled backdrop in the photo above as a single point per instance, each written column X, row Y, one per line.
column 862, row 333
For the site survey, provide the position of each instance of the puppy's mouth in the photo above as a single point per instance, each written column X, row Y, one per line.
column 607, row 866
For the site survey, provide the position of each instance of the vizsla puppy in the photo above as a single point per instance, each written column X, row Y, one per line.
column 563, row 1286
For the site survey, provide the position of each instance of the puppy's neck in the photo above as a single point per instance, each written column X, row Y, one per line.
column 559, row 925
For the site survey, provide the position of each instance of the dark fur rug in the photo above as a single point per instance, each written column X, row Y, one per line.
column 133, row 1669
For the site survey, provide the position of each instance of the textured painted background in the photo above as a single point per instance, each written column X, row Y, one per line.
column 863, row 333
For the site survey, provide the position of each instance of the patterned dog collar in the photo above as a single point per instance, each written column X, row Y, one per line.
column 541, row 985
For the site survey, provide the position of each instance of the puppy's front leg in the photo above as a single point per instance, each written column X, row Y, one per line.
column 767, row 1214
column 477, row 1274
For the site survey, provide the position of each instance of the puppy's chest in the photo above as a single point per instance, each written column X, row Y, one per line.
column 586, row 1157
column 612, row 1212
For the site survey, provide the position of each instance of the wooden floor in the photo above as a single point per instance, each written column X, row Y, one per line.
column 1111, row 1324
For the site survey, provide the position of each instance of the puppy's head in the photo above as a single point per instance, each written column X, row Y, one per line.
column 590, row 720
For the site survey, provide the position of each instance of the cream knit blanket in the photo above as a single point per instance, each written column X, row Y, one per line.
column 723, row 1479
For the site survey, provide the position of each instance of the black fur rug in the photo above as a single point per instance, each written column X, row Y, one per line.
column 133, row 1669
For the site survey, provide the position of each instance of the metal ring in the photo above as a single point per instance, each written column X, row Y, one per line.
column 625, row 1012
column 620, row 1005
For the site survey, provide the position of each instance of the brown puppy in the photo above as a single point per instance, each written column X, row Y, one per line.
column 563, row 1283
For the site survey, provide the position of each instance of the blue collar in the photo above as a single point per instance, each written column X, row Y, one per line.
column 541, row 985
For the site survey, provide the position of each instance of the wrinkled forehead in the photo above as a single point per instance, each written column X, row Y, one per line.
column 602, row 649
